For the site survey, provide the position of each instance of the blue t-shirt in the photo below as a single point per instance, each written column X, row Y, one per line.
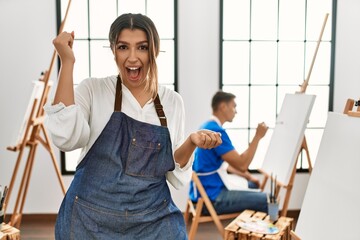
column 209, row 160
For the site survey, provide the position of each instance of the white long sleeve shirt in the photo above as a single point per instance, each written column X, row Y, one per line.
column 79, row 125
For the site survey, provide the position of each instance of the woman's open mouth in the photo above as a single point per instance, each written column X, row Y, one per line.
column 133, row 73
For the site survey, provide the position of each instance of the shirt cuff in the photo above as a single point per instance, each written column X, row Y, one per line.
column 51, row 109
column 187, row 166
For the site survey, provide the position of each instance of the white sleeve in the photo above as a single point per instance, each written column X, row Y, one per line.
column 66, row 125
column 179, row 177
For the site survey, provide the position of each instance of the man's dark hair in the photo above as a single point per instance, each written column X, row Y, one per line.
column 220, row 97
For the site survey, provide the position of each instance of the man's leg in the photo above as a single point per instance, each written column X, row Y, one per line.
column 237, row 201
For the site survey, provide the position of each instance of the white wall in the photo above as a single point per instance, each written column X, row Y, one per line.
column 26, row 50
column 27, row 29
column 347, row 53
column 198, row 65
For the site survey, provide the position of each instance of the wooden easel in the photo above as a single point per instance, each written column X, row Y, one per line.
column 290, row 184
column 304, row 146
column 31, row 138
column 350, row 103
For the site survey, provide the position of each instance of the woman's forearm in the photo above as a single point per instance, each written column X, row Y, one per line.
column 184, row 152
column 65, row 88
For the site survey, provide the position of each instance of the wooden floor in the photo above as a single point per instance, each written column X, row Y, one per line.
column 44, row 230
column 41, row 227
column 37, row 230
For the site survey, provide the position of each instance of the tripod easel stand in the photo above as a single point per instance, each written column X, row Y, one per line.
column 288, row 186
column 31, row 138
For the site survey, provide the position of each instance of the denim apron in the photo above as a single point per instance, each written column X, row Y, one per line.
column 119, row 190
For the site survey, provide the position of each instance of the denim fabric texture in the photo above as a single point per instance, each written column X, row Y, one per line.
column 119, row 190
column 237, row 201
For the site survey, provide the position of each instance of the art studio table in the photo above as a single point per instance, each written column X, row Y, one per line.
column 234, row 231
column 8, row 232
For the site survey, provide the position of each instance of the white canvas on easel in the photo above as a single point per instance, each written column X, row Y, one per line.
column 331, row 205
column 35, row 94
column 287, row 136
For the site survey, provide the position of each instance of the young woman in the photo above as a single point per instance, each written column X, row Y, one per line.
column 131, row 131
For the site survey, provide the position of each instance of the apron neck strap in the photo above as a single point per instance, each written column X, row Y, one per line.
column 160, row 111
column 118, row 95
column 158, row 107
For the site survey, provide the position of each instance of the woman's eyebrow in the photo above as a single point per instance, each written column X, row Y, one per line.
column 138, row 43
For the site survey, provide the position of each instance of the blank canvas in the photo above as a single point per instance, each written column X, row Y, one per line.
column 331, row 205
column 287, row 136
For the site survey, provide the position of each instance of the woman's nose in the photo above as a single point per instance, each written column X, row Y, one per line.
column 132, row 55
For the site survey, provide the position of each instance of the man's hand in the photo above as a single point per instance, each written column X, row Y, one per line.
column 261, row 130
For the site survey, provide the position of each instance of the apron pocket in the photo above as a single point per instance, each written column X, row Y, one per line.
column 89, row 221
column 146, row 157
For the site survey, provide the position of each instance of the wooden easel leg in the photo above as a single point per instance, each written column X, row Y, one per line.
column 13, row 177
column 47, row 145
column 263, row 184
column 305, row 147
column 288, row 193
column 292, row 177
column 17, row 215
column 27, row 182
column 57, row 172
column 277, row 188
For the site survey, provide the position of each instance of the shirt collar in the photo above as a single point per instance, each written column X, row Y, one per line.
column 216, row 119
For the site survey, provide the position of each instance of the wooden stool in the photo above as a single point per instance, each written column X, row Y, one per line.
column 9, row 233
column 233, row 231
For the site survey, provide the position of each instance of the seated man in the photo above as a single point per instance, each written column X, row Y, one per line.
column 208, row 162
